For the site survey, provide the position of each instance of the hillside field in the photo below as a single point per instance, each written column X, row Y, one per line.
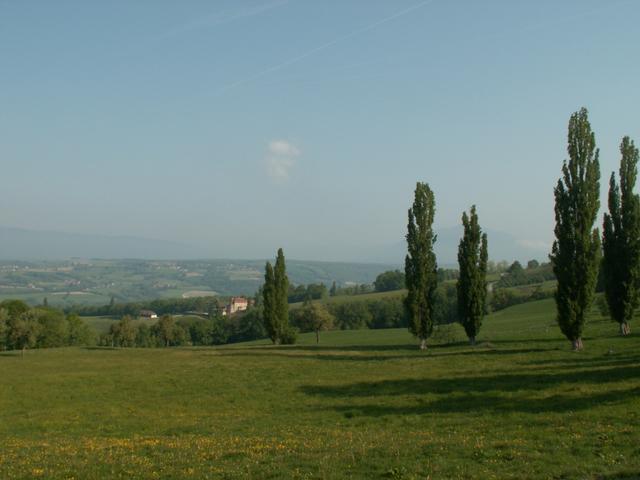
column 362, row 404
column 94, row 282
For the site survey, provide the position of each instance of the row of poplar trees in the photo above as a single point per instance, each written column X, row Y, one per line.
column 577, row 253
column 421, row 269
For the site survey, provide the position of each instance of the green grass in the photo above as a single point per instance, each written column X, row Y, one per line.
column 362, row 404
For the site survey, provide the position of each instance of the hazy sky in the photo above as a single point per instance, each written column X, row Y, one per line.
column 305, row 124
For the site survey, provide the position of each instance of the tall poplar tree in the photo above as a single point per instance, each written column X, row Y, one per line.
column 472, row 285
column 576, row 251
column 420, row 264
column 268, row 304
column 281, row 294
column 621, row 240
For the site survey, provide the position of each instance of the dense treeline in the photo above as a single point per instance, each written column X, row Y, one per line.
column 161, row 306
column 170, row 331
column 386, row 312
column 516, row 275
column 507, row 297
column 23, row 327
column 313, row 291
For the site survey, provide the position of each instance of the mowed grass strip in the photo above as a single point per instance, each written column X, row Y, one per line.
column 362, row 404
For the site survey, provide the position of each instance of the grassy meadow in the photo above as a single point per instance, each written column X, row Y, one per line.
column 362, row 404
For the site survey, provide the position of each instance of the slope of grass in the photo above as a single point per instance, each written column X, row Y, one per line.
column 362, row 404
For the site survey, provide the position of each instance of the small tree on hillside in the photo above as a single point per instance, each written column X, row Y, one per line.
column 576, row 251
column 420, row 264
column 621, row 240
column 315, row 317
column 472, row 285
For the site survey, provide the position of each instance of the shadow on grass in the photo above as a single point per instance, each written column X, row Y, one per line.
column 619, row 476
column 101, row 348
column 326, row 354
column 507, row 341
column 492, row 403
column 606, row 360
column 350, row 348
column 482, row 393
column 412, row 347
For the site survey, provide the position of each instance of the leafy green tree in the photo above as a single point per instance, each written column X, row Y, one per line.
column 472, row 284
column 4, row 328
column 281, row 291
column 420, row 264
column 78, row 332
column 23, row 331
column 351, row 315
column 144, row 336
column 388, row 281
column 387, row 313
column 269, row 314
column 445, row 308
column 334, row 289
column 621, row 240
column 180, row 336
column 53, row 330
column 124, row 332
column 315, row 318
column 289, row 335
column 576, row 251
column 14, row 308
column 515, row 268
column 219, row 334
column 165, row 330
column 533, row 264
column 246, row 326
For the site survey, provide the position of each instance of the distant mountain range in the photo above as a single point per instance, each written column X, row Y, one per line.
column 502, row 246
column 24, row 244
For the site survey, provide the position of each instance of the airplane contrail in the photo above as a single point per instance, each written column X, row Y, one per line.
column 319, row 48
column 216, row 19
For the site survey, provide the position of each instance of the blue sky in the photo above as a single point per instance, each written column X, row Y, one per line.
column 244, row 126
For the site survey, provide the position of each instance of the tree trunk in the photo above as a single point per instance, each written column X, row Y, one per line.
column 23, row 349
column 472, row 341
column 624, row 329
column 423, row 344
column 317, row 336
column 577, row 344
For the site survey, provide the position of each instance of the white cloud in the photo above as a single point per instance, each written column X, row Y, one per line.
column 281, row 147
column 281, row 158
